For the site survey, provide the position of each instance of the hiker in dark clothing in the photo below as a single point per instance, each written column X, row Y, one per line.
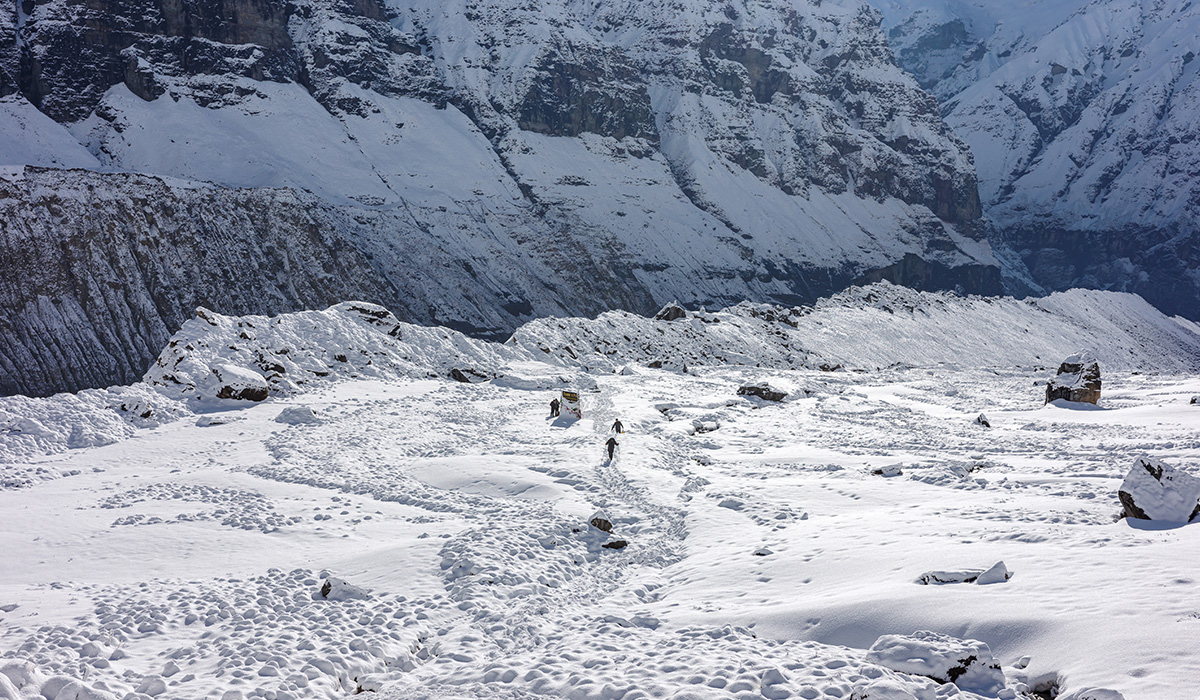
column 612, row 446
column 617, row 427
column 554, row 408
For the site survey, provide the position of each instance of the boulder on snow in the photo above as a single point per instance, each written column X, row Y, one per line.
column 600, row 521
column 335, row 588
column 1155, row 491
column 1078, row 379
column 1196, row 400
column 615, row 544
column 763, row 391
column 983, row 420
column 468, row 376
column 967, row 663
column 889, row 470
column 670, row 312
column 297, row 415
column 998, row 573
column 238, row 383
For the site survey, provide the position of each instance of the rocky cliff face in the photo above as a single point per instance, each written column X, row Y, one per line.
column 473, row 163
column 1082, row 117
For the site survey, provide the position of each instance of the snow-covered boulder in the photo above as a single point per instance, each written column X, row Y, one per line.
column 239, row 383
column 1155, row 491
column 889, row 470
column 763, row 391
column 338, row 589
column 1078, row 379
column 997, row 573
column 983, row 420
column 670, row 312
column 1196, row 400
column 600, row 521
column 967, row 663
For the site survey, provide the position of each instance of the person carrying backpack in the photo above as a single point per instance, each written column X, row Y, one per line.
column 617, row 427
column 554, row 407
column 612, row 446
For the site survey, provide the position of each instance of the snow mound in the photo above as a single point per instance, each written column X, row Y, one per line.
column 1092, row 694
column 967, row 663
column 1155, row 491
column 297, row 415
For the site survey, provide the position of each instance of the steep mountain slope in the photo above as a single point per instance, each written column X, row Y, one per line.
column 1082, row 117
column 492, row 161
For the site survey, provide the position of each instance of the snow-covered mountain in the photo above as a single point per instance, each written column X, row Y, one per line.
column 489, row 161
column 1082, row 118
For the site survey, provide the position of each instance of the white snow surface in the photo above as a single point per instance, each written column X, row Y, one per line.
column 184, row 558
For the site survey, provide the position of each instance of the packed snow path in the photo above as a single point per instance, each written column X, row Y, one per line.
column 764, row 556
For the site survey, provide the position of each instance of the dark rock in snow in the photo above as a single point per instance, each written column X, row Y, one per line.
column 1155, row 491
column 762, row 391
column 983, row 420
column 1196, row 400
column 1078, row 379
column 615, row 544
column 600, row 521
column 468, row 376
column 337, row 589
column 670, row 312
column 240, row 384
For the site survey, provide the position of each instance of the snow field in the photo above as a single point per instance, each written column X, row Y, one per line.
column 758, row 549
column 463, row 510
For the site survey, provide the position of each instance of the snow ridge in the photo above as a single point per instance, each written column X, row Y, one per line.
column 865, row 328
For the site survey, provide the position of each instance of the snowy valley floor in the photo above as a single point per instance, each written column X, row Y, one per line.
column 194, row 551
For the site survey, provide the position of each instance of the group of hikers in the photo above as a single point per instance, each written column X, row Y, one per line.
column 617, row 427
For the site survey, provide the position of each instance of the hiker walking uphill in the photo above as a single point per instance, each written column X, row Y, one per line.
column 612, row 446
column 554, row 407
column 617, row 427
